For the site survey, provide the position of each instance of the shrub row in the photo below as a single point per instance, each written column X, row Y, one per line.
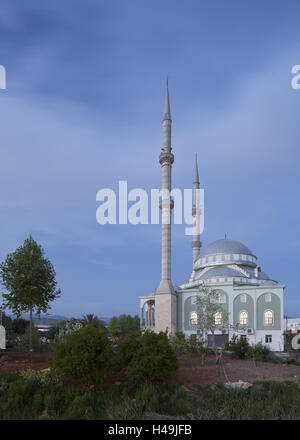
column 87, row 355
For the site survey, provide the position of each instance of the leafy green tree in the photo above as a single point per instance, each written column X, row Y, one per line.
column 29, row 279
column 93, row 320
column 123, row 325
column 6, row 320
column 85, row 354
column 210, row 315
column 179, row 343
column 149, row 356
column 18, row 326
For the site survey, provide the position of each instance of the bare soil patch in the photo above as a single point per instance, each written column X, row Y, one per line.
column 15, row 362
column 231, row 369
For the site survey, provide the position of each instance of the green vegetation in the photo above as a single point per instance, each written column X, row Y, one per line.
column 210, row 315
column 85, row 354
column 29, row 279
column 149, row 357
column 15, row 328
column 124, row 325
column 37, row 342
column 94, row 321
column 193, row 344
column 239, row 347
column 45, row 396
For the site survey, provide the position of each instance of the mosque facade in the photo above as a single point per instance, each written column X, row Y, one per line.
column 251, row 299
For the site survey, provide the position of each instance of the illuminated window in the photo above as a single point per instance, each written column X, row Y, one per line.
column 193, row 318
column 268, row 317
column 243, row 317
column 218, row 318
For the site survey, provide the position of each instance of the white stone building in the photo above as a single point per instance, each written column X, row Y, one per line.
column 252, row 299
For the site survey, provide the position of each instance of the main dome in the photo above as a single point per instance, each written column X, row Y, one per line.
column 226, row 247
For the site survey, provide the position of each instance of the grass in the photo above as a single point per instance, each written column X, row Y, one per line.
column 31, row 397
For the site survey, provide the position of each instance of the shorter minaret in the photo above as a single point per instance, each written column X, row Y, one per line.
column 196, row 243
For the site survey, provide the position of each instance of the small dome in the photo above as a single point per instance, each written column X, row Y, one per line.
column 226, row 247
column 221, row 271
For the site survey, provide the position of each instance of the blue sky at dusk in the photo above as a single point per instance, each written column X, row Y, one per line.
column 83, row 110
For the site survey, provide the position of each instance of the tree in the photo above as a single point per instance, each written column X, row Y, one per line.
column 29, row 279
column 210, row 314
column 93, row 320
column 123, row 325
column 149, row 357
column 85, row 354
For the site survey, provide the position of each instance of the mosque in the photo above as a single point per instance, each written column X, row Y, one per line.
column 250, row 297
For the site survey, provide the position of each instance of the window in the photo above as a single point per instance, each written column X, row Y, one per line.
column 193, row 300
column 268, row 317
column 268, row 297
column 193, row 318
column 243, row 318
column 268, row 339
column 218, row 318
column 243, row 337
column 243, row 298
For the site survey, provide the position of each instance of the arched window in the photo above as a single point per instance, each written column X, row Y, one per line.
column 218, row 318
column 193, row 318
column 243, row 318
column 268, row 317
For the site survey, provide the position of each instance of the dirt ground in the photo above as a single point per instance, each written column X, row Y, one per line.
column 14, row 362
column 232, row 370
column 190, row 371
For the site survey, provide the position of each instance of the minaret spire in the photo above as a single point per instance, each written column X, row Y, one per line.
column 167, row 112
column 165, row 296
column 196, row 174
column 196, row 243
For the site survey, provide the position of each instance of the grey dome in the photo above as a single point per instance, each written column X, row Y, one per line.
column 226, row 247
column 221, row 271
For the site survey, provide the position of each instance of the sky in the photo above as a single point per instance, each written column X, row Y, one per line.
column 83, row 108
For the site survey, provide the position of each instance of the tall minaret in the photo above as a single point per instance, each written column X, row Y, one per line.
column 196, row 243
column 165, row 296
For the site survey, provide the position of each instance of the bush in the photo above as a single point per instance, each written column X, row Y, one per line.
column 261, row 352
column 179, row 343
column 85, row 354
column 89, row 405
column 54, row 402
column 42, row 377
column 37, row 344
column 129, row 346
column 239, row 346
column 150, row 357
